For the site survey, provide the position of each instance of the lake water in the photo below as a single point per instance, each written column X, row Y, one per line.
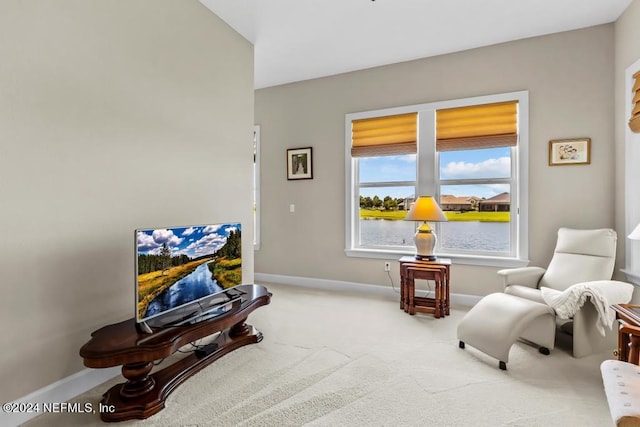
column 196, row 285
column 459, row 235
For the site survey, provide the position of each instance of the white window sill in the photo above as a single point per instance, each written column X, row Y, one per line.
column 486, row 261
column 632, row 276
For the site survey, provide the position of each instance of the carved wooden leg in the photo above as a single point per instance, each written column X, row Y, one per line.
column 138, row 380
column 239, row 329
column 411, row 289
column 437, row 300
column 448, row 292
column 634, row 349
column 623, row 344
column 402, row 291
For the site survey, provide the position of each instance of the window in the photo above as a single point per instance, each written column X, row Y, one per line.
column 385, row 148
column 471, row 154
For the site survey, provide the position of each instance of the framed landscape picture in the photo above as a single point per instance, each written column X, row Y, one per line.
column 575, row 151
column 299, row 163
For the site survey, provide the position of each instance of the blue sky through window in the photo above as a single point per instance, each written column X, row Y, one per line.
column 388, row 168
column 467, row 164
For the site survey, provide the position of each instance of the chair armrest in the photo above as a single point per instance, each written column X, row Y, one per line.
column 525, row 276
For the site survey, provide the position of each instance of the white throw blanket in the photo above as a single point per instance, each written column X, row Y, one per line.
column 603, row 293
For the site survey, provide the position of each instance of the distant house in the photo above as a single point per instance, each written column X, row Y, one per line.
column 458, row 203
column 405, row 205
column 499, row 203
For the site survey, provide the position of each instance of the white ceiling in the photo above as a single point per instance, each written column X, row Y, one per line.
column 297, row 40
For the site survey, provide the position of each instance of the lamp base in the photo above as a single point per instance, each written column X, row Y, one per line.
column 425, row 240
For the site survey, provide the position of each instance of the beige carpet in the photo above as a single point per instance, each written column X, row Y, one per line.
column 346, row 359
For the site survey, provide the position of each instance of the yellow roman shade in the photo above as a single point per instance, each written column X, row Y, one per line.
column 477, row 126
column 634, row 121
column 383, row 136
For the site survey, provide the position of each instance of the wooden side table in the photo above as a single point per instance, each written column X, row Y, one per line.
column 439, row 272
column 628, row 340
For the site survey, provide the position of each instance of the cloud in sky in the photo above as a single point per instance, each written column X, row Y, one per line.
column 208, row 244
column 489, row 168
column 166, row 236
column 212, row 228
column 189, row 231
column 146, row 242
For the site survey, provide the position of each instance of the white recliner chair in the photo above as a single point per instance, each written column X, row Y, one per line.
column 579, row 256
column 583, row 260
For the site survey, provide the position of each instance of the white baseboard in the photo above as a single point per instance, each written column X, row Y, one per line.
column 58, row 392
column 338, row 285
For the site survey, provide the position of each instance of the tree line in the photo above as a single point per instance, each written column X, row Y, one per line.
column 148, row 262
column 388, row 203
column 232, row 248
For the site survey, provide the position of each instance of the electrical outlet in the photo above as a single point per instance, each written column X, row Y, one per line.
column 387, row 266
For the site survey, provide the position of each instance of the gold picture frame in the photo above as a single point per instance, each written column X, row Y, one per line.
column 575, row 151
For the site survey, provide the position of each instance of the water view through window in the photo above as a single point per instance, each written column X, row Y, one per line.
column 474, row 187
column 462, row 236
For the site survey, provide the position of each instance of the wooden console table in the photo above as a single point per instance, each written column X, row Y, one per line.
column 438, row 271
column 144, row 393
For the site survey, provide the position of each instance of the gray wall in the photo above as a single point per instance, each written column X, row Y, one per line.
column 570, row 79
column 113, row 115
column 627, row 51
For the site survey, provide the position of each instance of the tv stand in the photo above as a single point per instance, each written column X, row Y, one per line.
column 144, row 393
column 144, row 328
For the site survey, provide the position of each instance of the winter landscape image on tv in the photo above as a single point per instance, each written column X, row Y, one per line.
column 176, row 266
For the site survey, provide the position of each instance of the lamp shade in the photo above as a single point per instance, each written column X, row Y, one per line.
column 425, row 209
column 635, row 234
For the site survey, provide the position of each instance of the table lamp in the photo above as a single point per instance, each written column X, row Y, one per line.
column 425, row 209
column 635, row 234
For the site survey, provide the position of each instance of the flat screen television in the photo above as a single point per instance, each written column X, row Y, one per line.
column 184, row 272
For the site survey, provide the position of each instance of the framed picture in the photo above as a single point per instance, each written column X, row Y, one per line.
column 575, row 151
column 299, row 163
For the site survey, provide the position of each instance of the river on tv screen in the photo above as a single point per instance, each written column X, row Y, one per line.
column 178, row 265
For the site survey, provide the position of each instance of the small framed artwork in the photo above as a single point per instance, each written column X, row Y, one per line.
column 299, row 163
column 575, row 151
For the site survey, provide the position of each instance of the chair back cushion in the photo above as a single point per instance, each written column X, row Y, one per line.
column 581, row 256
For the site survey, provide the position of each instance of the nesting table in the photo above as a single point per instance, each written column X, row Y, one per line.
column 437, row 271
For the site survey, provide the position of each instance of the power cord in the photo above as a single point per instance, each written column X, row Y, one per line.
column 392, row 285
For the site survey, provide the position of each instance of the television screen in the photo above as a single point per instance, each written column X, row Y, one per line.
column 179, row 268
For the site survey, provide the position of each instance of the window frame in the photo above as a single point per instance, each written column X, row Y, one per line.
column 426, row 183
column 359, row 185
column 513, row 190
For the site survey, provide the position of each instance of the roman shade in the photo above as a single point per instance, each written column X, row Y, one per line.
column 634, row 121
column 383, row 136
column 477, row 126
